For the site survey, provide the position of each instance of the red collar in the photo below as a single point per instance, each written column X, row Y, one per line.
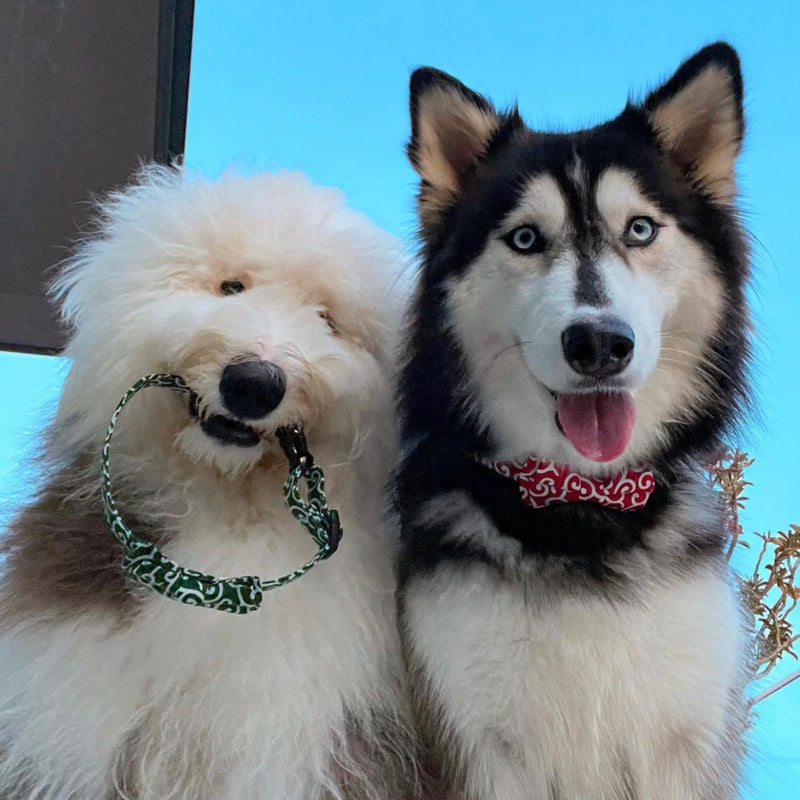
column 542, row 484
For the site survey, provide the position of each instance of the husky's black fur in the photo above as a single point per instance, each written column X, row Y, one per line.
column 443, row 435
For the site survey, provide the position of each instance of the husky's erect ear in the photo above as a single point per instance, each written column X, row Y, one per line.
column 697, row 114
column 450, row 128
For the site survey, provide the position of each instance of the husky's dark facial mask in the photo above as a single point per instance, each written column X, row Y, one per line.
column 581, row 297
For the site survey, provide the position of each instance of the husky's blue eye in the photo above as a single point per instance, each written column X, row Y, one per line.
column 525, row 239
column 640, row 231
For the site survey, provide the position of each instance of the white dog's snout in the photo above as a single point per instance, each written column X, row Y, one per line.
column 253, row 388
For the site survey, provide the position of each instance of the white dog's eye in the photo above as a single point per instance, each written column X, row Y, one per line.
column 231, row 287
column 525, row 239
column 331, row 324
column 640, row 231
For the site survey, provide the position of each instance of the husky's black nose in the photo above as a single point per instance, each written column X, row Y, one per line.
column 251, row 389
column 598, row 349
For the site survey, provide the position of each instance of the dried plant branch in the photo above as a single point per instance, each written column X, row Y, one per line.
column 728, row 474
column 772, row 591
column 793, row 676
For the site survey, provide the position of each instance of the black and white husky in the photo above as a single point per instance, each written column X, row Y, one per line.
column 576, row 348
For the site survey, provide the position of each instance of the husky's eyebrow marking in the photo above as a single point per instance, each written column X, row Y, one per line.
column 542, row 202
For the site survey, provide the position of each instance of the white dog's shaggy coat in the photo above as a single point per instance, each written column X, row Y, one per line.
column 109, row 690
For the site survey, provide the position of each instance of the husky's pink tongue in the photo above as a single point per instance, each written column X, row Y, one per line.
column 598, row 424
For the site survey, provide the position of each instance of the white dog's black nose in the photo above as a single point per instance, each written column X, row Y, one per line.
column 251, row 389
column 598, row 349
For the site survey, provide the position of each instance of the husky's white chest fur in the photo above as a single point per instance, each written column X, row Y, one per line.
column 584, row 699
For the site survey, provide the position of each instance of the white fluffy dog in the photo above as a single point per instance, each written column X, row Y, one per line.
column 273, row 301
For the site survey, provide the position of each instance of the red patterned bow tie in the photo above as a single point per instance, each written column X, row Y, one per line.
column 542, row 484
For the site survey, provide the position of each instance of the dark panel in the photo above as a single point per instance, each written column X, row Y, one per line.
column 84, row 96
column 174, row 59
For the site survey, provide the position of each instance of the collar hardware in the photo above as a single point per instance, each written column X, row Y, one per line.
column 293, row 442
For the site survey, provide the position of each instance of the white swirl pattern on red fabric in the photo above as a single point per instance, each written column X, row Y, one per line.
column 542, row 483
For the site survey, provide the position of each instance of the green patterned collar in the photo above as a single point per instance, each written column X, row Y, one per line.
column 144, row 563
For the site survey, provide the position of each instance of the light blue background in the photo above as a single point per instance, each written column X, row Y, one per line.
column 323, row 88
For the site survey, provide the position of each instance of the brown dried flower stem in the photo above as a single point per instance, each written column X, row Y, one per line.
column 771, row 591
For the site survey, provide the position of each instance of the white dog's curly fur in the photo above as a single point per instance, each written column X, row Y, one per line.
column 113, row 691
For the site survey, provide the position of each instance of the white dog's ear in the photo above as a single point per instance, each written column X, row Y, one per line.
column 697, row 115
column 451, row 127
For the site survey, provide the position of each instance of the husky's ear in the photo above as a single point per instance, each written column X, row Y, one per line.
column 450, row 128
column 697, row 114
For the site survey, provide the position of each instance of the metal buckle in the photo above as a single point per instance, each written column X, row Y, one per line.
column 334, row 532
column 293, row 442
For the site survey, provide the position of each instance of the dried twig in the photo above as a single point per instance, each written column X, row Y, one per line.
column 793, row 676
column 771, row 591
